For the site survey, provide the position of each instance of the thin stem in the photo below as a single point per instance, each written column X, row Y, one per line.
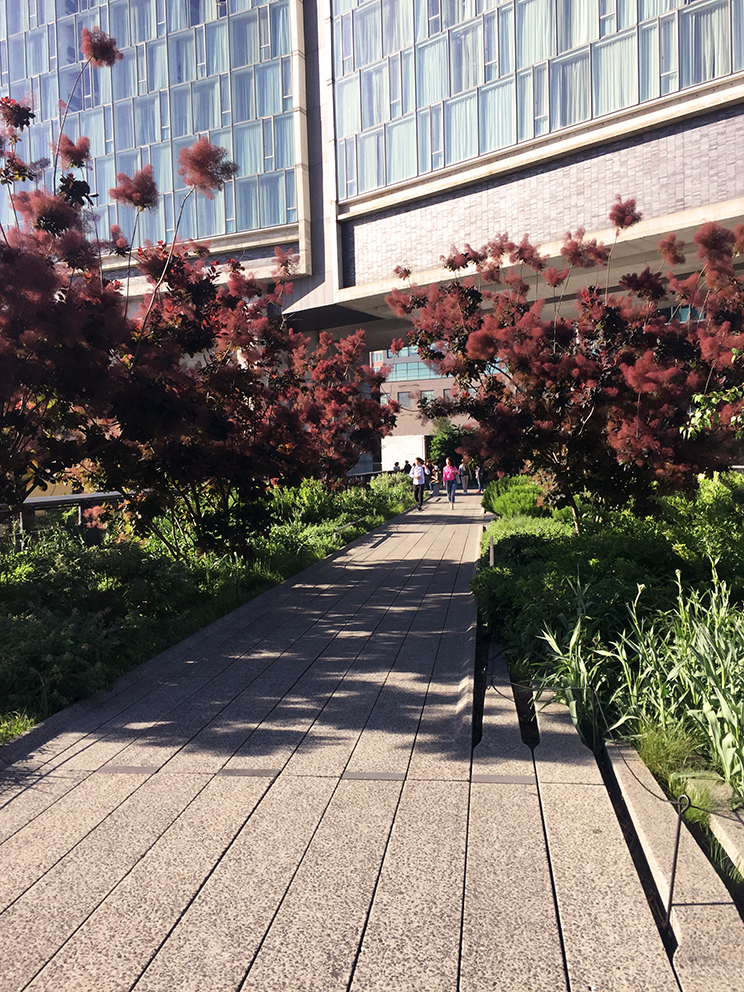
column 5, row 236
column 163, row 274
column 129, row 261
column 609, row 259
column 64, row 119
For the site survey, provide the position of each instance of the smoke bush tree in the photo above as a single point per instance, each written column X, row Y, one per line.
column 190, row 404
column 598, row 401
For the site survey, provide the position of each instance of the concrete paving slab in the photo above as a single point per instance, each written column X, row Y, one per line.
column 215, row 941
column 118, row 940
column 37, row 925
column 501, row 750
column 23, row 796
column 30, row 852
column 706, row 923
column 610, row 939
column 511, row 940
column 312, row 943
column 412, row 937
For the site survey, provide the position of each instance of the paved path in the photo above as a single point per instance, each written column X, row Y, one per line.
column 289, row 800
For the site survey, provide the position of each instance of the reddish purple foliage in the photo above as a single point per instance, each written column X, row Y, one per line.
column 647, row 285
column 583, row 254
column 527, row 254
column 623, row 213
column 555, row 278
column 204, row 167
column 46, row 212
column 14, row 114
column 99, row 48
column 716, row 246
column 73, row 155
column 140, row 191
column 670, row 249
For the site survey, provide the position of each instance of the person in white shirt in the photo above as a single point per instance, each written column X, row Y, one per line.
column 418, row 475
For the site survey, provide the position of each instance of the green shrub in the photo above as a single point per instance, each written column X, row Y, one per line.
column 513, row 497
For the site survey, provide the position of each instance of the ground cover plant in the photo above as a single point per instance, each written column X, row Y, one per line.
column 638, row 622
column 74, row 617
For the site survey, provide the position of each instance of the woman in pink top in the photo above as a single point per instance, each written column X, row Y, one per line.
column 449, row 477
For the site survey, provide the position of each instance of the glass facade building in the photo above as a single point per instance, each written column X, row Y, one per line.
column 190, row 68
column 425, row 84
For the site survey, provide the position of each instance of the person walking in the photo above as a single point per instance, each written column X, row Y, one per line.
column 465, row 474
column 450, row 476
column 418, row 475
column 480, row 478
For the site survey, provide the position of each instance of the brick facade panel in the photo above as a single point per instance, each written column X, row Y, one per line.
column 683, row 166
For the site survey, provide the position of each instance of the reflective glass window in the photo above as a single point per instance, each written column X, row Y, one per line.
column 431, row 71
column 367, row 34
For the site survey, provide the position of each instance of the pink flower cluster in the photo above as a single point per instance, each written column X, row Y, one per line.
column 99, row 48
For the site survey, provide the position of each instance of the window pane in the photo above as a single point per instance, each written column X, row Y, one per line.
column 123, row 129
column 569, row 90
column 17, row 58
column 268, row 88
column 460, row 129
column 506, row 40
column 181, row 58
column 367, row 35
column 49, row 96
column 206, row 104
column 578, row 23
column 147, row 119
column 431, row 71
column 375, row 97
column 67, row 79
column 401, row 150
column 737, row 17
column 157, row 66
column 281, row 43
column 216, row 40
column 271, row 199
column 248, row 144
column 348, row 118
column 180, row 108
column 105, row 177
column 615, row 75
column 36, row 52
column 143, row 20
column 466, row 57
column 397, row 25
column 210, row 214
column 243, row 101
column 455, row 11
column 498, row 116
column 244, row 39
column 648, row 42
column 534, row 31
column 371, row 161
column 284, row 141
column 124, row 83
column 119, row 23
column 67, row 42
column 162, row 166
column 704, row 42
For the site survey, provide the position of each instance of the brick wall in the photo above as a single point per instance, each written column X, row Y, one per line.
column 682, row 166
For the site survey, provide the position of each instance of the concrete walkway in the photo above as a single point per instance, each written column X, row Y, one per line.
column 289, row 800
